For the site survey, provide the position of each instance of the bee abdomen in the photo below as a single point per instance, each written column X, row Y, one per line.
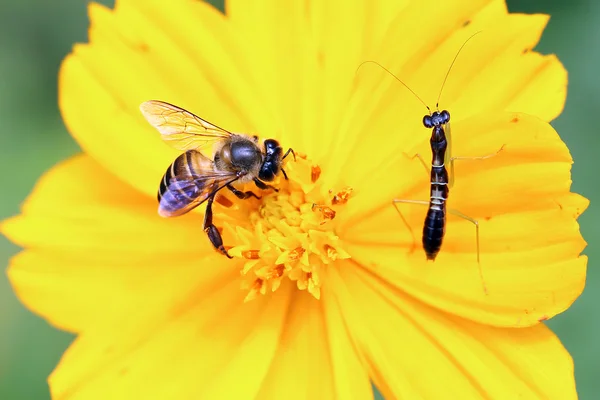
column 178, row 189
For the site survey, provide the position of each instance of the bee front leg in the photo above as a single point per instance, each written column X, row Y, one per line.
column 242, row 195
column 263, row 186
column 211, row 230
column 290, row 150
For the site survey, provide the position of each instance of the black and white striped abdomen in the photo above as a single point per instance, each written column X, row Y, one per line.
column 434, row 227
column 433, row 232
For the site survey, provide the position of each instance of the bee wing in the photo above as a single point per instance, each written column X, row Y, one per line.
column 180, row 128
column 185, row 193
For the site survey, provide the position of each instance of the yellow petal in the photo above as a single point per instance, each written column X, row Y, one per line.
column 443, row 356
column 494, row 71
column 527, row 144
column 304, row 57
column 386, row 113
column 531, row 272
column 379, row 18
column 142, row 51
column 81, row 207
column 315, row 358
column 161, row 315
column 182, row 353
column 282, row 63
column 350, row 377
column 97, row 247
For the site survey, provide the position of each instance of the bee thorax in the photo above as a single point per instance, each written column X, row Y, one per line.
column 245, row 155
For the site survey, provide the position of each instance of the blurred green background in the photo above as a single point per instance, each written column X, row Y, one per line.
column 36, row 34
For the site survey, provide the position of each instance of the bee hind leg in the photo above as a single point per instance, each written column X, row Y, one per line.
column 211, row 230
column 242, row 195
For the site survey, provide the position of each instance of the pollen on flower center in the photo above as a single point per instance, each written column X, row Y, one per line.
column 291, row 235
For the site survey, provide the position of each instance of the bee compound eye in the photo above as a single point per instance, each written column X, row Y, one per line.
column 271, row 146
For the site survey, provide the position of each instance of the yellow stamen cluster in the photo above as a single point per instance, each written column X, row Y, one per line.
column 292, row 234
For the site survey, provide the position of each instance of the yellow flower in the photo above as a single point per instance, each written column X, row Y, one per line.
column 320, row 298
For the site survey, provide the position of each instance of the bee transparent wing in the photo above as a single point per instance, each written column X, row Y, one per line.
column 184, row 193
column 180, row 128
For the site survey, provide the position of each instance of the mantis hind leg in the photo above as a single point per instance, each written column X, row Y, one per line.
column 450, row 211
column 412, row 233
column 476, row 223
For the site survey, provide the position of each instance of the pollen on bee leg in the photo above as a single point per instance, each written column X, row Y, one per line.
column 291, row 235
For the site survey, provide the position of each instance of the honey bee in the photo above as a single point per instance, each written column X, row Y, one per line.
column 193, row 178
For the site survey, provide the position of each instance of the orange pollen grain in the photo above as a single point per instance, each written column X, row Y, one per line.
column 327, row 212
column 342, row 196
column 296, row 253
column 331, row 251
column 257, row 284
column 251, row 254
column 288, row 238
column 277, row 271
column 315, row 173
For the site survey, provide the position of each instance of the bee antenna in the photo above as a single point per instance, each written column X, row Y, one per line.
column 451, row 65
column 398, row 79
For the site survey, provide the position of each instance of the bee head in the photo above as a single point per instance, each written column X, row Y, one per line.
column 272, row 163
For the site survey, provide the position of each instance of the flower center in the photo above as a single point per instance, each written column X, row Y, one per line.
column 292, row 234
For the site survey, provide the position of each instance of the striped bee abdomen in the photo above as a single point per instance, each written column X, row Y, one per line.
column 183, row 186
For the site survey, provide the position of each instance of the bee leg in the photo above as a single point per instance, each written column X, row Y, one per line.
column 284, row 174
column 263, row 186
column 213, row 233
column 242, row 195
column 288, row 152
